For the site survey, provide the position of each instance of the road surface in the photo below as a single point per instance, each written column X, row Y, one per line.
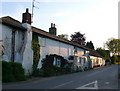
column 105, row 77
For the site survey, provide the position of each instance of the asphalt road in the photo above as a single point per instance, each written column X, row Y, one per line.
column 99, row 78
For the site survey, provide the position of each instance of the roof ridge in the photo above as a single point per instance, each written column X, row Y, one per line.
column 14, row 22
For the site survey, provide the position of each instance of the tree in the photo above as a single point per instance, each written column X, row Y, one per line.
column 104, row 53
column 78, row 38
column 64, row 36
column 113, row 45
column 90, row 45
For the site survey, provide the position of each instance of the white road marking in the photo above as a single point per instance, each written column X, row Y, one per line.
column 62, row 84
column 86, row 86
column 99, row 71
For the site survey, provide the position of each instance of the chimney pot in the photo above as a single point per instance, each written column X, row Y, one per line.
column 53, row 30
column 26, row 17
column 27, row 10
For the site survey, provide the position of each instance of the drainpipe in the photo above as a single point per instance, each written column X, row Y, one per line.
column 74, row 59
column 13, row 46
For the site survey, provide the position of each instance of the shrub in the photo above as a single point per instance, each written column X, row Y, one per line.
column 36, row 54
column 48, row 72
column 49, row 69
column 48, row 61
column 18, row 71
column 12, row 72
column 113, row 59
column 36, row 71
column 7, row 75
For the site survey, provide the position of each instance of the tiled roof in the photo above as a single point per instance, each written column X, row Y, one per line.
column 93, row 52
column 11, row 22
column 15, row 23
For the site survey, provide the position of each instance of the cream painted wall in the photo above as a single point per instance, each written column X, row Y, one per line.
column 80, row 52
column 97, row 61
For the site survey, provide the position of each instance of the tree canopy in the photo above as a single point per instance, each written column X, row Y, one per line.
column 90, row 45
column 113, row 45
column 104, row 53
column 78, row 38
column 64, row 36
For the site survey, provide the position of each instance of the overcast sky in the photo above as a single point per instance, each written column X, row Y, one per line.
column 98, row 19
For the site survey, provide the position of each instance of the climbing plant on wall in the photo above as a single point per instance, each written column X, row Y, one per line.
column 36, row 52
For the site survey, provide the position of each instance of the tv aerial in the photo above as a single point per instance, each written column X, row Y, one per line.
column 33, row 6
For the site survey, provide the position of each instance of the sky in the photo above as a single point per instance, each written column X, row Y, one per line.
column 97, row 19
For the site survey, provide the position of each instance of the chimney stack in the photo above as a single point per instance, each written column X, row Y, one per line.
column 52, row 29
column 26, row 17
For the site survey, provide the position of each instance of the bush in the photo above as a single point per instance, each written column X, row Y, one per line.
column 18, row 71
column 114, row 59
column 48, row 72
column 48, row 69
column 7, row 75
column 12, row 72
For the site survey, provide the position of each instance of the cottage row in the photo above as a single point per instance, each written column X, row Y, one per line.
column 16, row 45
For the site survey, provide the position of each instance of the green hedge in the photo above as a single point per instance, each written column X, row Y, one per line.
column 12, row 72
column 48, row 69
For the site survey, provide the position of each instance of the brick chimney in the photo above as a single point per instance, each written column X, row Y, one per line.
column 26, row 17
column 52, row 29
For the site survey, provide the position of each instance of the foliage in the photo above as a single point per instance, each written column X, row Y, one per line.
column 12, row 72
column 113, row 45
column 18, row 71
column 113, row 59
column 48, row 72
column 36, row 53
column 90, row 45
column 48, row 61
column 78, row 38
column 49, row 69
column 104, row 53
column 64, row 36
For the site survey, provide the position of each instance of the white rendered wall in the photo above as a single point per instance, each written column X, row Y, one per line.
column 0, row 31
column 23, row 40
column 27, row 52
column 1, row 48
column 6, row 36
column 49, row 46
column 19, row 41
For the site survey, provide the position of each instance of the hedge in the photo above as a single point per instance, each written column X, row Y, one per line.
column 48, row 69
column 12, row 72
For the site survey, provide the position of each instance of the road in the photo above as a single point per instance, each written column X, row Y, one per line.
column 99, row 78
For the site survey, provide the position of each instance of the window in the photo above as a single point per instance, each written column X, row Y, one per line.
column 42, row 41
column 57, row 62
